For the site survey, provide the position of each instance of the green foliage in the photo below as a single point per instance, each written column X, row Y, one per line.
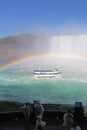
column 9, row 105
column 14, row 105
column 16, row 39
column 6, row 40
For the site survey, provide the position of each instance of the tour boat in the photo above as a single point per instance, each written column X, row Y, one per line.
column 46, row 73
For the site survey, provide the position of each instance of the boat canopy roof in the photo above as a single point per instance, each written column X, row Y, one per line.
column 43, row 70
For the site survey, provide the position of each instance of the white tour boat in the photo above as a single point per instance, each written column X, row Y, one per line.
column 46, row 73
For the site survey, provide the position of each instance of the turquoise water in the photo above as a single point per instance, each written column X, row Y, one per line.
column 21, row 85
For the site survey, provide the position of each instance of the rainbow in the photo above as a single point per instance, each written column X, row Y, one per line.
column 30, row 57
column 19, row 60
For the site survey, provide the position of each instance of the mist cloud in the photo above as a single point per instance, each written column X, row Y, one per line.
column 66, row 28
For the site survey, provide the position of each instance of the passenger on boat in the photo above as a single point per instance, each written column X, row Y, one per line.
column 68, row 120
column 26, row 111
column 39, row 109
column 77, row 128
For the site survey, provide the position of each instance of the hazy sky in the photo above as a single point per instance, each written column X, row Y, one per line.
column 42, row 16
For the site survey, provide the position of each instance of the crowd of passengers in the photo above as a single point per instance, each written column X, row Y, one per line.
column 39, row 124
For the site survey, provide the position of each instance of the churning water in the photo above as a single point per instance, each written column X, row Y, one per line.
column 21, row 85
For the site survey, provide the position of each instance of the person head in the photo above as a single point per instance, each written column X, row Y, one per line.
column 77, row 128
column 36, row 102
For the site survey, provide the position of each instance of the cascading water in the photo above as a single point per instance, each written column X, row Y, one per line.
column 69, row 45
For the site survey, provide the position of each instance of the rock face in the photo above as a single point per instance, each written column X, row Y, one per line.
column 23, row 45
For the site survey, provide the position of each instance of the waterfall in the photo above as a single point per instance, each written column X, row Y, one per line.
column 69, row 45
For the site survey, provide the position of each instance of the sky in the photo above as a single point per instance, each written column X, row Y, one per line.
column 42, row 17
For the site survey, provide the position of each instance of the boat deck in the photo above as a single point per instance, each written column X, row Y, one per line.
column 15, row 121
column 52, row 124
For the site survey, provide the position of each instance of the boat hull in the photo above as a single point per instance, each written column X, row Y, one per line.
column 45, row 76
column 46, row 73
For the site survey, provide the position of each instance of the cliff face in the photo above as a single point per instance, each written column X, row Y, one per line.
column 22, row 45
